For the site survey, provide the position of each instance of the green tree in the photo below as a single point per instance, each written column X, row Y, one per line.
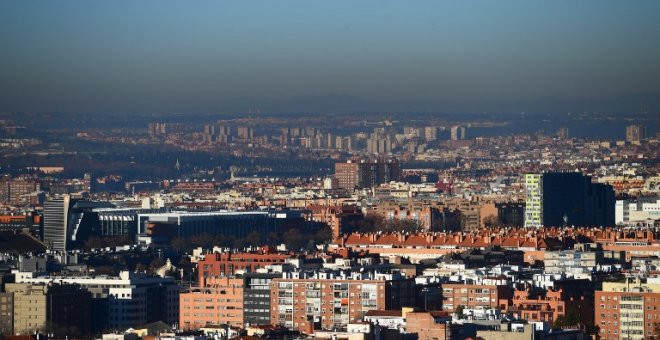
column 253, row 239
column 459, row 310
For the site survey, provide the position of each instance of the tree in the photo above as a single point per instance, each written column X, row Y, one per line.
column 323, row 235
column 397, row 225
column 139, row 267
column 560, row 322
column 253, row 239
column 459, row 310
column 154, row 265
column 491, row 221
column 293, row 239
column 180, row 244
column 368, row 224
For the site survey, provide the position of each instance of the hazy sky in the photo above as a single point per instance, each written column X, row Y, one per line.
column 162, row 56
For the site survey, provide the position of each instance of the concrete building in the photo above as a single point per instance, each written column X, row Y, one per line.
column 366, row 173
column 123, row 301
column 547, row 306
column 430, row 133
column 69, row 222
column 457, row 132
column 567, row 198
column 533, row 200
column 644, row 211
column 62, row 309
column 635, row 133
column 256, row 298
column 162, row 227
column 567, row 260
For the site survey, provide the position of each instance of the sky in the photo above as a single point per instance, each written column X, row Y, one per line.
column 95, row 56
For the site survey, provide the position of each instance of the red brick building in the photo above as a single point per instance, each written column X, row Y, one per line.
column 227, row 264
column 548, row 305
column 471, row 296
column 629, row 310
column 332, row 302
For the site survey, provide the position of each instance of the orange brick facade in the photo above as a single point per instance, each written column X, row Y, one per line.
column 623, row 314
column 471, row 296
column 221, row 304
column 307, row 304
column 226, row 264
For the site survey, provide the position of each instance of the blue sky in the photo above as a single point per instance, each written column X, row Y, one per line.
column 160, row 56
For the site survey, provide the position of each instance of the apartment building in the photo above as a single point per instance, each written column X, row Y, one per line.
column 628, row 310
column 216, row 304
column 331, row 300
column 475, row 296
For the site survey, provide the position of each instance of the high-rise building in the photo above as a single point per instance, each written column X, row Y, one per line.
column 567, row 198
column 366, row 173
column 430, row 133
column 562, row 132
column 56, row 218
column 457, row 132
column 245, row 133
column 635, row 133
column 346, row 175
column 533, row 200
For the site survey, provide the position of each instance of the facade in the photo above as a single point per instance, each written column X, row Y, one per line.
column 52, row 308
column 567, row 260
column 426, row 215
column 162, row 227
column 567, row 198
column 56, row 214
column 69, row 222
column 339, row 218
column 511, row 214
column 346, row 175
column 256, row 298
column 128, row 300
column 366, row 173
column 475, row 296
column 533, row 200
column 430, row 133
column 548, row 305
column 332, row 300
column 641, row 211
column 628, row 310
column 218, row 265
column 431, row 325
column 457, row 133
column 221, row 303
column 6, row 313
column 13, row 191
column 635, row 133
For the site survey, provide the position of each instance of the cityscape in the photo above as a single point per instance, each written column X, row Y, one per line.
column 345, row 189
